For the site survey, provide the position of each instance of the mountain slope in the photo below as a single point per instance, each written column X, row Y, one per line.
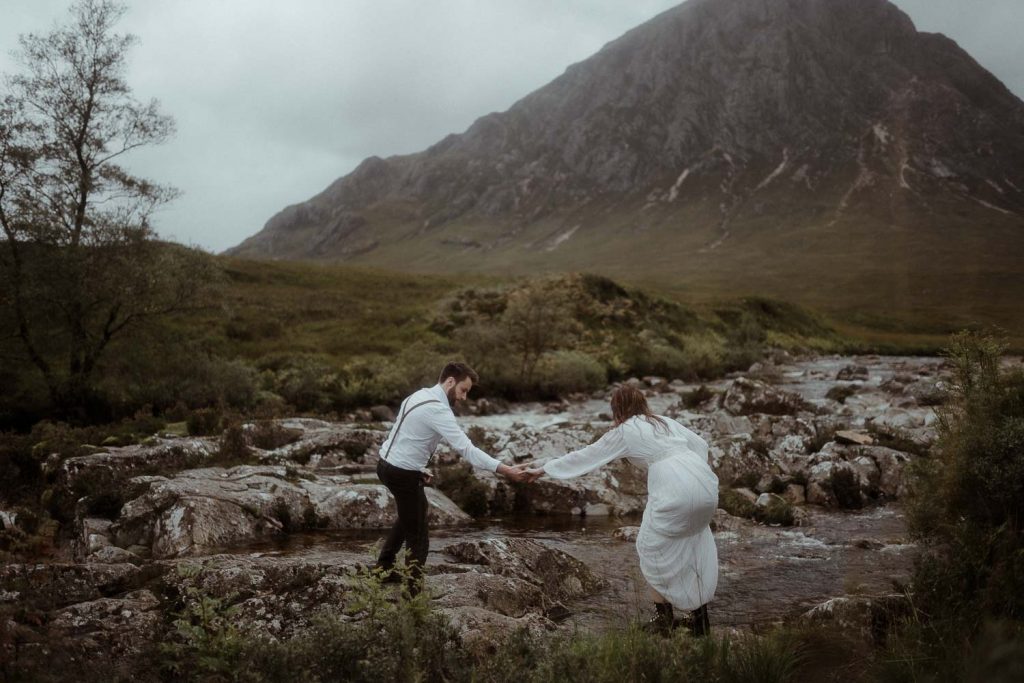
column 819, row 149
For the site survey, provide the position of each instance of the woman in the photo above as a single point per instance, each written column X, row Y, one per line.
column 677, row 552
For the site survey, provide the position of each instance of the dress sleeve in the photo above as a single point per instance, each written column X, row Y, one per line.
column 450, row 431
column 589, row 458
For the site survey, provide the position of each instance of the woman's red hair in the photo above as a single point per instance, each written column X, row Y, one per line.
column 629, row 402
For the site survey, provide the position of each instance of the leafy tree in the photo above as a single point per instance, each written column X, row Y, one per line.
column 537, row 319
column 79, row 264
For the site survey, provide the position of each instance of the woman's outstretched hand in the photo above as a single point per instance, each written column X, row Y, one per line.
column 534, row 473
column 521, row 473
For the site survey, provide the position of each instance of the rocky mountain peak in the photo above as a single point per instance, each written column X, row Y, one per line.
column 711, row 127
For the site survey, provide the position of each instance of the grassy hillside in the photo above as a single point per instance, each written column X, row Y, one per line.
column 887, row 262
column 321, row 338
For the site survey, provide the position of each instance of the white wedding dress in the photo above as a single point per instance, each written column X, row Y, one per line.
column 677, row 552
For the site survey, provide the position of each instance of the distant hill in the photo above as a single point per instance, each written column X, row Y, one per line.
column 823, row 151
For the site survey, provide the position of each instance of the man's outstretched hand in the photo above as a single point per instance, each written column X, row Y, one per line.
column 520, row 473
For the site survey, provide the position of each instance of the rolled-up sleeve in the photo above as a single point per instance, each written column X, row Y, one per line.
column 450, row 431
column 587, row 459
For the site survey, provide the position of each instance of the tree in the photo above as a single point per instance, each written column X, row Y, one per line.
column 538, row 318
column 80, row 263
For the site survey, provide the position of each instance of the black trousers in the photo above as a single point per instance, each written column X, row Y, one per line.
column 411, row 526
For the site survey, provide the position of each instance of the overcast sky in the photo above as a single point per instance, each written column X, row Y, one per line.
column 276, row 99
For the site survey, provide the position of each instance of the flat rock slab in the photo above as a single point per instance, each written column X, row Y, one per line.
column 198, row 511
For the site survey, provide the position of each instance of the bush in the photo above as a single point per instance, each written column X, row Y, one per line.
column 204, row 422
column 735, row 504
column 233, row 448
column 308, row 382
column 458, row 482
column 845, row 485
column 566, row 372
column 777, row 511
column 968, row 499
column 966, row 510
column 693, row 399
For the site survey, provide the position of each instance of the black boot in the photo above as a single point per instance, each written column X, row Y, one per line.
column 663, row 620
column 700, row 624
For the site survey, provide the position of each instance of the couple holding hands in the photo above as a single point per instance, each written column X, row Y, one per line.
column 677, row 552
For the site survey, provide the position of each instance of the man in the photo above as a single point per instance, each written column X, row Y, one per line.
column 424, row 419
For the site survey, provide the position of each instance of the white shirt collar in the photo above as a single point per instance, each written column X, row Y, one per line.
column 439, row 392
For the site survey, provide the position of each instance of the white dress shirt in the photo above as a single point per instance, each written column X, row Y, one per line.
column 424, row 428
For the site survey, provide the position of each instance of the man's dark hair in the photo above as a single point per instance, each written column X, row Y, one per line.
column 459, row 371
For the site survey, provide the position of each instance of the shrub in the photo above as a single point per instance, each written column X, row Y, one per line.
column 845, row 485
column 308, row 382
column 777, row 511
column 566, row 372
column 233, row 448
column 458, row 482
column 693, row 399
column 269, row 435
column 204, row 421
column 968, row 500
column 735, row 504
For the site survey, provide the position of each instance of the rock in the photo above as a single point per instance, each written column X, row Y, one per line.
column 382, row 414
column 112, row 628
column 111, row 554
column 854, row 438
column 94, row 533
column 480, row 629
column 560, row 575
column 626, row 533
column 46, row 586
column 870, row 617
column 795, row 494
column 726, row 424
column 748, row 494
column 507, row 595
column 596, row 510
column 8, row 520
column 851, row 373
column 724, row 522
column 197, row 511
column 748, row 396
column 892, row 480
column 867, row 544
column 927, row 392
column 112, row 468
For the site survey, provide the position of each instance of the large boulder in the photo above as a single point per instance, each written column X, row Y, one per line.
column 197, row 511
column 748, row 396
column 559, row 575
column 46, row 586
column 870, row 618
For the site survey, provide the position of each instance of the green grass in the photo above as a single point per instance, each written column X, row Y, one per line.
column 348, row 311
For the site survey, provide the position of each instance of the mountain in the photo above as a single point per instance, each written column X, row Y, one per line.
column 823, row 150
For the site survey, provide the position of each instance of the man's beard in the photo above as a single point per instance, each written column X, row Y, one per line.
column 451, row 396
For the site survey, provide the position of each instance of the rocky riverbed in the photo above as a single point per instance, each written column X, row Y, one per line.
column 812, row 455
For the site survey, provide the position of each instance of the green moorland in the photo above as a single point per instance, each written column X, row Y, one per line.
column 321, row 338
column 892, row 272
